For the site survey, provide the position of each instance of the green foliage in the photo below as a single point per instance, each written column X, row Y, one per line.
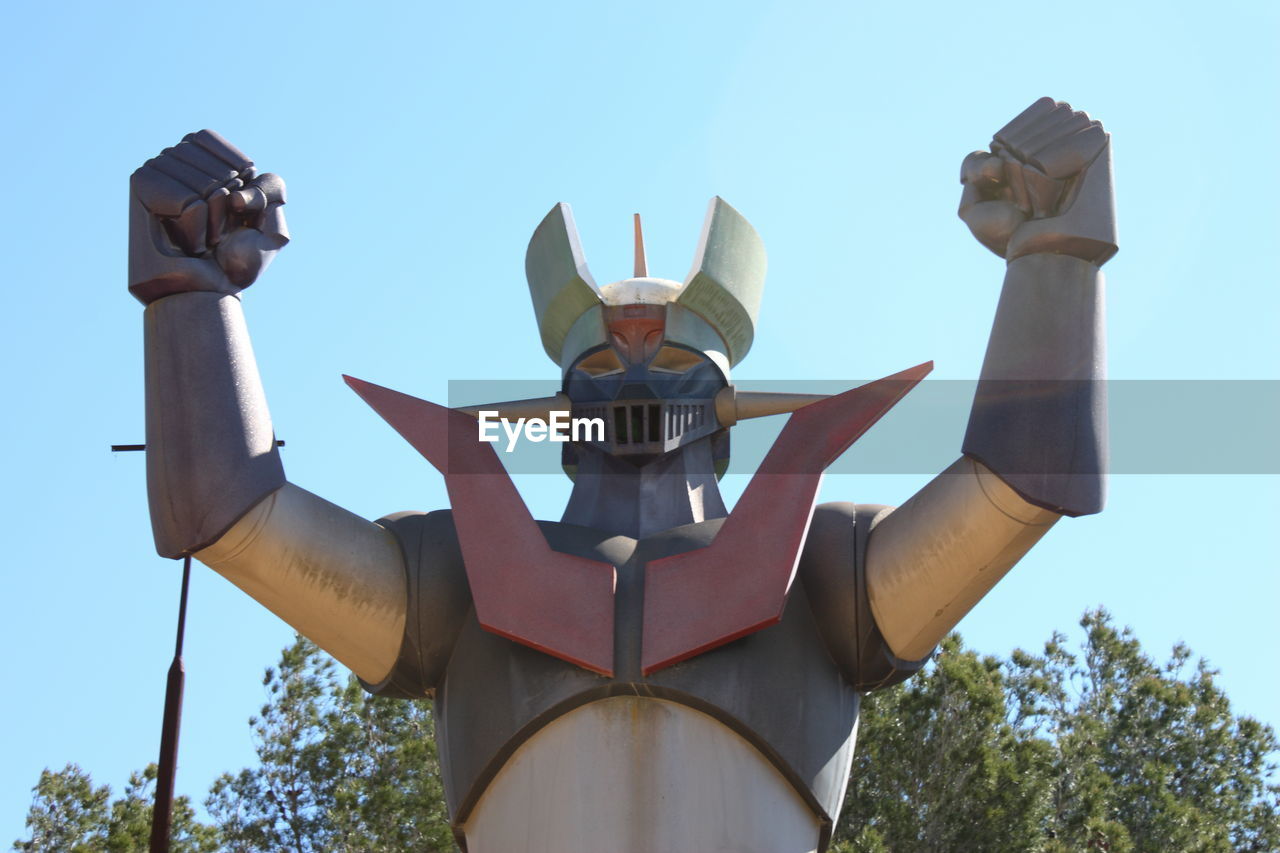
column 1106, row 750
column 339, row 770
column 69, row 815
column 1150, row 757
column 130, row 828
column 938, row 766
column 1097, row 750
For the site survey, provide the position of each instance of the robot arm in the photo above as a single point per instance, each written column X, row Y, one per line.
column 932, row 559
column 203, row 225
column 1035, row 448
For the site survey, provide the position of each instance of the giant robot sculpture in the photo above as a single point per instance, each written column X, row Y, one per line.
column 652, row 672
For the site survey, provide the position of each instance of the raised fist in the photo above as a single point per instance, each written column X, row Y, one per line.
column 202, row 218
column 1045, row 186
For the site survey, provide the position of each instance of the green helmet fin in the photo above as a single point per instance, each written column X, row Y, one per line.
column 559, row 281
column 727, row 279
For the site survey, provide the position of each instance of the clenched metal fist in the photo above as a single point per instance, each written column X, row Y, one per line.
column 1044, row 186
column 202, row 219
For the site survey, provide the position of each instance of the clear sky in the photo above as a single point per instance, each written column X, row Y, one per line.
column 423, row 142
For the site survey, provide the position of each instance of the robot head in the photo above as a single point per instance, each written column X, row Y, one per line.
column 648, row 356
column 653, row 395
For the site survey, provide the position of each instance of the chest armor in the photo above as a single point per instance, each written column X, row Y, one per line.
column 791, row 689
column 759, row 621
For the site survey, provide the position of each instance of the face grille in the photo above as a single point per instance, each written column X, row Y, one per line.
column 650, row 426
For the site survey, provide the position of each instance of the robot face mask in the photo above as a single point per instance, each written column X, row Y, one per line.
column 653, row 396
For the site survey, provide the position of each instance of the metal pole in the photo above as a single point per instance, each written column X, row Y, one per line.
column 162, row 815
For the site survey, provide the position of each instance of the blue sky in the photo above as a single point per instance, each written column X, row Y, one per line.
column 423, row 142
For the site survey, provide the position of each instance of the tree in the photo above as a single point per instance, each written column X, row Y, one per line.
column 130, row 826
column 939, row 767
column 69, row 815
column 1149, row 756
column 339, row 770
column 1105, row 750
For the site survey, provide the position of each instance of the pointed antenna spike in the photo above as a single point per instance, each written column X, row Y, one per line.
column 761, row 404
column 642, row 263
column 513, row 410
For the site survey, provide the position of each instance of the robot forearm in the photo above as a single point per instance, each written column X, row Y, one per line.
column 217, row 490
column 1039, row 416
column 211, row 452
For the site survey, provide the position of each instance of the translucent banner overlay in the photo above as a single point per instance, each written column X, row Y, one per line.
column 1156, row 426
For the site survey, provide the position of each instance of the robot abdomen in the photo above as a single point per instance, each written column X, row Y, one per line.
column 643, row 775
column 774, row 700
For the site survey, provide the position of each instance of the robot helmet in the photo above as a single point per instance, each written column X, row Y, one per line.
column 648, row 356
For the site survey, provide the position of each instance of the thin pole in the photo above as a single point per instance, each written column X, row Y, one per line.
column 162, row 815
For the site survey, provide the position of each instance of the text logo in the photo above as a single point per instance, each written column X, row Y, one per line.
column 560, row 428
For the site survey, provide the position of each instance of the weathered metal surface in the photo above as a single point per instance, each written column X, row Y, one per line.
column 706, row 598
column 337, row 578
column 727, row 280
column 642, row 775
column 1039, row 416
column 557, row 603
column 779, row 689
column 211, row 451
column 932, row 559
column 833, row 573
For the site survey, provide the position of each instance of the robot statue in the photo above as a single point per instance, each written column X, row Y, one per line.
column 652, row 672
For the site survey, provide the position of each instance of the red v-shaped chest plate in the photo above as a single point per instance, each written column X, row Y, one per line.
column 563, row 605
